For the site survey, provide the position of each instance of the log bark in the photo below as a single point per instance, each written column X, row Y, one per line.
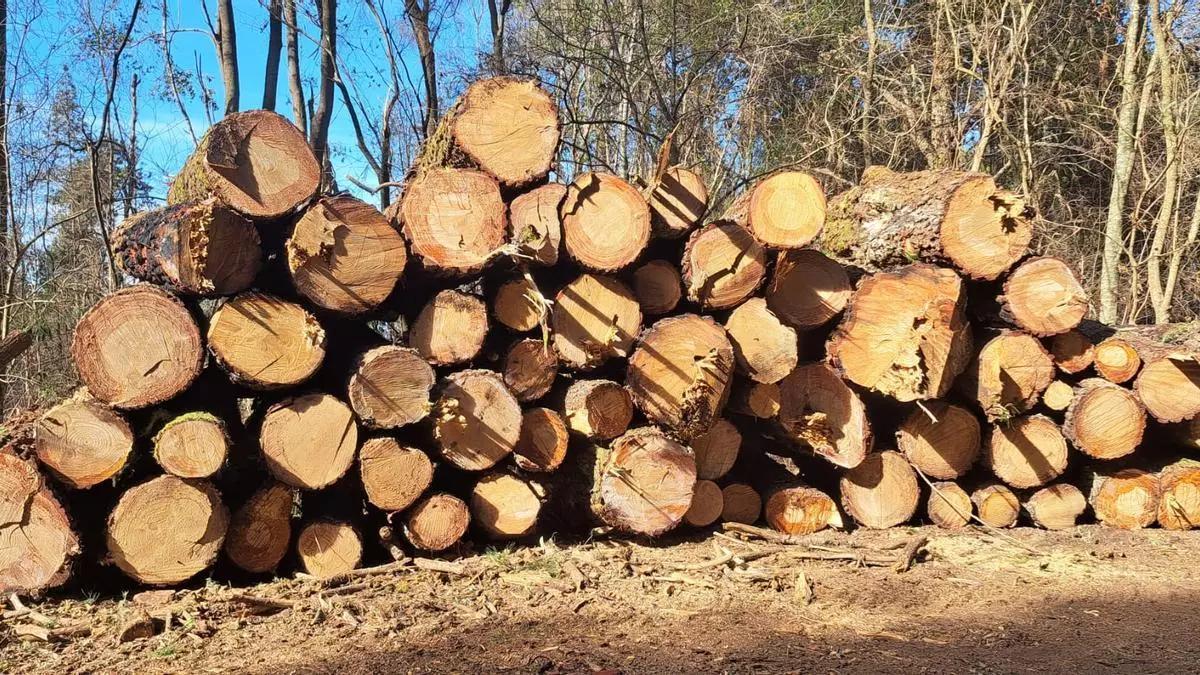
column 542, row 445
column 764, row 348
column 644, row 483
column 716, row 450
column 1058, row 396
column 265, row 342
column 83, row 443
column 508, row 127
column 530, row 368
column 1056, row 507
column 1008, row 374
column 328, row 548
column 942, row 440
column 261, row 530
column 722, row 266
column 605, row 222
column 393, row 475
column 807, row 289
column 193, row 445
column 741, row 503
column 657, row 287
column 309, row 441
column 437, row 522
column 454, row 220
column 996, row 505
column 818, row 410
column 677, row 202
column 880, row 492
column 477, row 421
column 595, row 318
column 1044, row 297
column 785, row 210
column 1027, row 452
column 799, row 509
column 504, row 506
column 1179, row 507
column 1104, row 420
column 536, row 227
column 707, row 504
column 597, row 409
column 949, row 506
column 1126, row 499
column 1072, row 351
column 38, row 546
column 390, row 387
column 450, row 329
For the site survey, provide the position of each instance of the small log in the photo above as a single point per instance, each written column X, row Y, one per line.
column 1072, row 352
column 785, row 210
column 1179, row 507
column 530, row 368
column 194, row 248
column 255, row 162
column 1027, row 452
column 605, row 222
column 137, row 347
column 82, row 443
column 707, row 504
column 508, row 127
column 344, row 255
column 644, row 483
column 818, row 410
column 393, row 475
column 657, row 287
column 1104, row 420
column 904, row 334
column 309, row 441
column 1127, row 499
column 265, row 342
column 454, row 220
column 193, row 445
column 450, row 329
column 536, row 228
column 799, row 509
column 597, row 409
column 518, row 305
column 755, row 399
column 764, row 348
column 38, row 543
column 1008, row 374
column 677, row 202
column 542, row 445
column 1056, row 507
column 716, row 450
column 949, row 506
column 261, row 529
column 437, row 522
column 741, row 504
column 891, row 219
column 722, row 266
column 880, row 492
column 167, row 530
column 1116, row 360
column 996, row 505
column 329, row 548
column 504, row 506
column 807, row 289
column 1058, row 396
column 595, row 318
column 942, row 440
column 390, row 387
column 477, row 421
column 1169, row 384
column 679, row 375
column 1044, row 297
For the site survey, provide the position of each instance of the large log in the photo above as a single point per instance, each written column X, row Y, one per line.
column 1169, row 356
column 390, row 387
column 1127, row 499
column 722, row 266
column 882, row 491
column 265, row 342
column 192, row 445
column 454, row 220
column 942, row 440
column 677, row 201
column 536, row 227
column 1104, row 420
column 644, row 482
column 1044, row 297
column 83, row 443
column 1027, row 452
column 764, row 348
column 477, row 421
column 450, row 329
column 38, row 546
column 393, row 475
column 785, row 210
column 819, row 410
column 261, row 529
column 605, row 222
column 594, row 319
column 1008, row 374
column 309, row 441
column 508, row 127
column 807, row 289
column 504, row 506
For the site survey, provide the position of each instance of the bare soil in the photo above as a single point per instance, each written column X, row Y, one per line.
column 1090, row 599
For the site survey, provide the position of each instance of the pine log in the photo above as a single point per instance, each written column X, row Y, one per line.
column 390, row 387
column 679, row 375
column 1056, row 507
column 1058, row 396
column 644, row 482
column 1027, row 452
column 677, row 201
column 1044, row 297
column 504, row 506
column 799, row 509
column 785, row 210
column 1127, row 499
column 722, row 266
column 1072, row 351
column 755, row 399
column 518, row 304
column 265, row 342
column 137, row 347
column 1179, row 507
column 454, row 220
column 882, row 491
column 716, row 450
column 393, row 475
column 942, row 440
column 1104, row 420
column 817, row 409
column 508, row 127
column 344, row 255
column 450, row 329
column 167, row 530
column 764, row 348
column 807, row 289
column 891, row 219
column 261, row 529
column 949, row 506
column 594, row 319
column 1116, row 360
column 328, row 548
column 605, row 222
column 309, row 441
column 83, row 443
column 437, row 522
column 707, row 504
column 657, row 287
column 741, row 503
column 1169, row 384
column 193, row 445
column 904, row 334
column 1008, row 374
column 542, row 445
column 256, row 162
column 597, row 409
column 530, row 368
column 996, row 505
column 38, row 546
column 194, row 248
column 536, row 227
column 477, row 421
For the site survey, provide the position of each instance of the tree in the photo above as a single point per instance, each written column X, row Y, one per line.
column 319, row 134
column 226, row 37
column 274, row 46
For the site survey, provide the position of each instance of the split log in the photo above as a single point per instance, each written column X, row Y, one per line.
column 1027, row 452
column 1072, row 351
column 536, row 228
column 1104, row 420
column 345, row 256
column 942, row 440
column 657, row 287
column 799, row 509
column 784, row 210
column 530, row 368
column 764, row 348
column 393, row 475
column 597, row 409
column 328, row 548
column 755, row 399
column 38, row 547
column 1058, row 396
column 1056, row 507
column 309, row 441
column 890, row 219
column 677, row 202
column 807, row 289
column 679, row 375
column 437, row 522
column 390, row 387
column 716, row 450
column 882, row 491
column 137, row 347
column 261, row 530
column 1179, row 507
column 644, row 483
column 1008, row 374
column 542, row 445
column 1044, row 297
column 1127, row 499
column 904, row 334
column 504, row 506
column 194, row 248
column 477, row 421
column 265, row 342
column 454, row 220
column 508, row 127
column 817, row 409
column 518, row 305
column 167, row 530
column 722, row 266
column 949, row 506
column 83, row 443
column 996, row 505
column 256, row 162
column 450, row 329
column 193, row 445
column 740, row 504
column 595, row 318
column 707, row 504
column 605, row 222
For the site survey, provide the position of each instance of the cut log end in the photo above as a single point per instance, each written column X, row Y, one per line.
column 799, row 509
column 530, row 368
column 942, row 440
column 542, row 445
column 536, row 227
column 1058, row 396
column 707, row 504
column 722, row 265
column 996, row 505
column 261, row 530
column 309, row 441
column 741, row 504
column 764, row 348
column 597, row 409
column 605, row 222
column 83, row 443
column 454, row 220
column 755, row 399
column 1056, row 507
column 393, row 475
column 1179, row 507
column 1170, row 389
column 1044, row 297
column 1027, row 452
column 808, row 289
column 1104, row 420
column 265, row 342
column 716, row 450
column 595, row 318
column 391, row 387
column 786, row 210
column 437, row 522
column 450, row 329
column 1008, row 374
column 820, row 411
column 1072, row 351
column 645, row 483
column 882, row 491
column 504, row 506
column 657, row 286
column 508, row 127
column 477, row 421
column 194, row 445
column 1127, row 499
column 327, row 548
column 677, row 202
column 39, row 546
column 518, row 305
column 949, row 506
column 1116, row 360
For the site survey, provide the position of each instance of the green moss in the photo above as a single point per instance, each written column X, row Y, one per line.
column 189, row 417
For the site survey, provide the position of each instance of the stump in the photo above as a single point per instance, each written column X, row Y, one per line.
column 657, row 287
column 677, row 202
column 799, row 509
column 807, row 289
column 1008, row 374
column 83, row 443
column 437, row 522
column 508, row 127
column 328, row 548
column 722, row 266
column 193, row 445
column 261, row 530
column 1127, row 499
column 605, row 222
column 741, row 504
column 390, row 387
column 536, row 228
column 764, row 348
column 450, row 329
column 38, row 547
column 504, row 506
column 309, row 441
column 949, row 506
column 454, row 220
column 530, row 368
column 597, row 409
column 477, row 421
column 716, row 450
column 644, row 483
column 996, row 505
column 818, row 410
column 542, row 445
column 1104, row 420
column 942, row 440
column 1056, row 507
column 595, row 318
column 1027, row 452
column 393, row 475
column 1044, row 297
column 1179, row 506
column 785, row 210
column 880, row 492
column 707, row 504
column 265, row 342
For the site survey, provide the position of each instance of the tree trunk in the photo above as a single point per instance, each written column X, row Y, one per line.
column 949, row 506
column 1127, row 499
column 645, row 483
column 605, row 222
column 450, row 329
column 274, row 46
column 542, row 445
column 1056, row 507
column 597, row 409
column 454, row 220
column 882, row 491
column 36, row 536
column 309, row 441
column 657, row 285
column 1044, row 297
column 942, row 440
column 328, row 548
column 418, row 18
column 1008, row 374
column 477, row 420
column 394, row 476
column 261, row 530
column 319, row 134
column 807, row 289
column 264, row 342
column 817, row 409
column 504, row 506
column 1027, row 452
column 227, row 38
column 193, row 445
column 783, row 211
column 722, row 266
column 295, row 84
column 390, row 387
column 595, row 318
column 764, row 348
column 1104, row 420
column 437, row 522
column 530, row 368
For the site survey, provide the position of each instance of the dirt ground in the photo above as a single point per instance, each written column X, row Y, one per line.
column 1091, row 600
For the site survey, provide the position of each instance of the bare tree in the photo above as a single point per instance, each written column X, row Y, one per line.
column 295, row 84
column 418, row 18
column 274, row 46
column 498, row 17
column 319, row 134
column 226, row 37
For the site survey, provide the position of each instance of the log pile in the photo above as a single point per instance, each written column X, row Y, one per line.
column 300, row 382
